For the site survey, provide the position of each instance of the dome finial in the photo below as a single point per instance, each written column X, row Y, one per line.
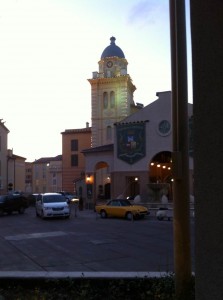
column 112, row 50
column 112, row 39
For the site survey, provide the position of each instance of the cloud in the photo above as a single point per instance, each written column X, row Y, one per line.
column 145, row 12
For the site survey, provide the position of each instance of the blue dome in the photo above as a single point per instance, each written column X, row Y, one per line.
column 112, row 50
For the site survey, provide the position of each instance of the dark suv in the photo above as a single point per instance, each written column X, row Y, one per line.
column 14, row 202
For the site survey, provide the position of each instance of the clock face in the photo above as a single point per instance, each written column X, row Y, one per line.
column 164, row 127
column 109, row 64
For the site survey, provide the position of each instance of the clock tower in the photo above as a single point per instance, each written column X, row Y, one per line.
column 111, row 94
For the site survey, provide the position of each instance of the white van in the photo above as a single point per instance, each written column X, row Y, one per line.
column 50, row 205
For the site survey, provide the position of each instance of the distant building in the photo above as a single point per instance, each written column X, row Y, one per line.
column 3, row 157
column 47, row 174
column 16, row 172
column 12, row 167
column 28, row 177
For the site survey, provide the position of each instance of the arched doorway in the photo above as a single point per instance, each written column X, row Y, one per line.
column 102, row 181
column 160, row 175
column 133, row 188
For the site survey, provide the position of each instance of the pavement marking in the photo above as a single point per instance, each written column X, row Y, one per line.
column 100, row 242
column 37, row 235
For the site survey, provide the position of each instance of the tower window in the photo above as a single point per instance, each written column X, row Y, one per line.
column 109, row 133
column 105, row 100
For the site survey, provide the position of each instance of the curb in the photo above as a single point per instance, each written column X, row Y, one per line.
column 83, row 275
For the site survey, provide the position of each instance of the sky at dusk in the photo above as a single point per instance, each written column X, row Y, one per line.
column 48, row 50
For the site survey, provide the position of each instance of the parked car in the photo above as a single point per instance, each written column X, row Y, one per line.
column 70, row 197
column 164, row 213
column 13, row 203
column 121, row 208
column 32, row 199
column 50, row 205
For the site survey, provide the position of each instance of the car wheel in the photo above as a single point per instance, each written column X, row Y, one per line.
column 160, row 218
column 103, row 214
column 129, row 216
column 21, row 210
column 1, row 212
column 42, row 214
column 137, row 217
column 9, row 212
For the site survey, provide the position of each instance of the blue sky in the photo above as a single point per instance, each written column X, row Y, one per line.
column 49, row 48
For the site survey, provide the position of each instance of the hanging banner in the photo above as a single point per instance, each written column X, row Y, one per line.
column 131, row 142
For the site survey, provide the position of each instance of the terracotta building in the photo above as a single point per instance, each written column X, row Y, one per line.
column 73, row 160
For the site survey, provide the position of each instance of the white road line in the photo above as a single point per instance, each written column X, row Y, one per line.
column 37, row 235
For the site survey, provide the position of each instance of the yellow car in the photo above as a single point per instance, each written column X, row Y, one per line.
column 121, row 208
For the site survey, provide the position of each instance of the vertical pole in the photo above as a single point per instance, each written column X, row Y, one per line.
column 181, row 220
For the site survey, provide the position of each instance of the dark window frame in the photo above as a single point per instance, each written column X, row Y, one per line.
column 74, row 160
column 74, row 145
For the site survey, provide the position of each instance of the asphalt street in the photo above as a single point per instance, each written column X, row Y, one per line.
column 85, row 245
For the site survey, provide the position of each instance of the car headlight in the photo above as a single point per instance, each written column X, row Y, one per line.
column 75, row 200
column 47, row 208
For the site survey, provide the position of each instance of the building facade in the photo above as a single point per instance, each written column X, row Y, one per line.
column 73, row 160
column 3, row 157
column 28, row 177
column 47, row 174
column 16, row 172
column 136, row 159
column 111, row 94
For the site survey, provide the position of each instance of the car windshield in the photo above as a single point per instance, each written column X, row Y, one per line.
column 53, row 198
column 125, row 203
column 119, row 203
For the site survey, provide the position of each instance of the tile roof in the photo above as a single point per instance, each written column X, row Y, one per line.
column 45, row 160
column 109, row 147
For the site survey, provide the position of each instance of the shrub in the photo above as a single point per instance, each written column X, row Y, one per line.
column 90, row 289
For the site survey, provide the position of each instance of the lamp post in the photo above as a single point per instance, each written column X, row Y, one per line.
column 181, row 220
column 89, row 185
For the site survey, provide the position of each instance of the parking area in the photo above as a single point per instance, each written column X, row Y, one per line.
column 85, row 243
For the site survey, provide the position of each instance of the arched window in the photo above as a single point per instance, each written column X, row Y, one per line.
column 105, row 100
column 109, row 133
column 112, row 99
